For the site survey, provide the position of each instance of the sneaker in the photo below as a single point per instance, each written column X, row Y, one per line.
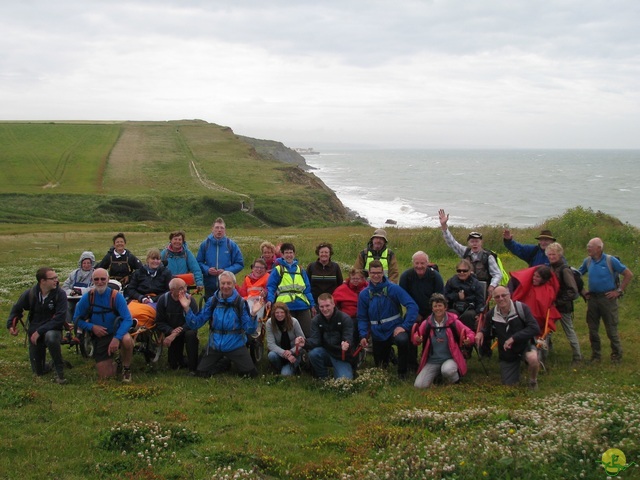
column 126, row 376
column 59, row 380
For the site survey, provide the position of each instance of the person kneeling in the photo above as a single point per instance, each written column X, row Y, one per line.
column 331, row 334
column 103, row 313
column 228, row 316
column 442, row 334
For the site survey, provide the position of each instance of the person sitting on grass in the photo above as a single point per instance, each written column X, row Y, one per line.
column 46, row 303
column 285, row 340
column 515, row 328
column 442, row 334
column 230, row 322
column 103, row 314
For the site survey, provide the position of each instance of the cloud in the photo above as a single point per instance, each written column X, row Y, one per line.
column 416, row 73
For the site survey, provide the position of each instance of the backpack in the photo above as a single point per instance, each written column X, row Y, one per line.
column 103, row 310
column 485, row 261
column 576, row 276
column 616, row 276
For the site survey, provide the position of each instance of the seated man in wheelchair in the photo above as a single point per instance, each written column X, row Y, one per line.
column 103, row 313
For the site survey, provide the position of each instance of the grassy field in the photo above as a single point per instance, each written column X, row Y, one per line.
column 184, row 172
column 169, row 425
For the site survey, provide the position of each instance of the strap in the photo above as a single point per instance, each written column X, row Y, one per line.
column 385, row 320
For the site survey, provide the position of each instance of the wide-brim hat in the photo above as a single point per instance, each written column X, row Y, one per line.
column 380, row 232
column 474, row 235
column 546, row 235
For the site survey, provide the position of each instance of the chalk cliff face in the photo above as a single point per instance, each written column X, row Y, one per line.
column 276, row 151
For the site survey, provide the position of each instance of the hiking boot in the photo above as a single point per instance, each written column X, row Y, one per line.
column 126, row 376
column 59, row 380
column 595, row 359
column 576, row 361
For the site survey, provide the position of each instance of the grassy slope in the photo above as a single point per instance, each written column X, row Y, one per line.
column 291, row 427
column 146, row 171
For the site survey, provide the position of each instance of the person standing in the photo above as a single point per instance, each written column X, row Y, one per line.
column 324, row 274
column 602, row 297
column 380, row 310
column 46, row 303
column 534, row 255
column 378, row 249
column 179, row 260
column 218, row 253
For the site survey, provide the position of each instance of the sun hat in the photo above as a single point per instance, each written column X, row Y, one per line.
column 546, row 235
column 474, row 235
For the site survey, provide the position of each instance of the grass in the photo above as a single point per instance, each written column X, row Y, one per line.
column 273, row 427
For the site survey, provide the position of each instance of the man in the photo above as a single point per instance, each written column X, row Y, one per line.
column 516, row 329
column 216, row 254
column 602, row 297
column 484, row 264
column 330, row 340
column 230, row 322
column 378, row 249
column 380, row 310
column 47, row 307
column 103, row 314
column 170, row 321
column 420, row 282
column 534, row 255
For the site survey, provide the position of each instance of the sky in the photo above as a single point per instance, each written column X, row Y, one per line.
column 362, row 74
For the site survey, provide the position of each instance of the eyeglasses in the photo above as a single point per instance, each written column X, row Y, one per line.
column 100, row 279
column 460, row 270
column 52, row 278
column 376, row 273
column 501, row 295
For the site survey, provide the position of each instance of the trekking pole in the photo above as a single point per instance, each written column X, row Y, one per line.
column 475, row 347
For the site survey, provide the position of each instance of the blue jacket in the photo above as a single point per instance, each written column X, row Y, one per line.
column 223, row 253
column 183, row 262
column 384, row 302
column 532, row 254
column 102, row 313
column 274, row 282
column 228, row 330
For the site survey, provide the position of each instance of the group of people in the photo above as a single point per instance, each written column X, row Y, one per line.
column 318, row 320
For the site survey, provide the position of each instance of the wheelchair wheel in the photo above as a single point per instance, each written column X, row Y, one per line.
column 256, row 349
column 86, row 345
column 152, row 346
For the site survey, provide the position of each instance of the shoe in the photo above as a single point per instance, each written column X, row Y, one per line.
column 576, row 361
column 59, row 380
column 533, row 385
column 126, row 376
column 595, row 359
column 616, row 360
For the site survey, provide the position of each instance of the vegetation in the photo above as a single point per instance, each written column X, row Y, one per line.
column 169, row 425
column 183, row 172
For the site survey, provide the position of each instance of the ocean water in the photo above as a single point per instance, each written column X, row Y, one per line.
column 518, row 188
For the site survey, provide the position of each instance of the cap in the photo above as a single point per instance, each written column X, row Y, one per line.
column 380, row 232
column 474, row 235
column 546, row 235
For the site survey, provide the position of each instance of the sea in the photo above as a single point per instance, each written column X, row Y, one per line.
column 515, row 188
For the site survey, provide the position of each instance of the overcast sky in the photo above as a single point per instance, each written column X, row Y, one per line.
column 444, row 73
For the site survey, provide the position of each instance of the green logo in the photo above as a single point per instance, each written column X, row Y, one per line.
column 614, row 462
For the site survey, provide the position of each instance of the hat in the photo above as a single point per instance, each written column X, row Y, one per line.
column 474, row 235
column 380, row 232
column 546, row 235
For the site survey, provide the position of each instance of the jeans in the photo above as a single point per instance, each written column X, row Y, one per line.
column 320, row 360
column 283, row 366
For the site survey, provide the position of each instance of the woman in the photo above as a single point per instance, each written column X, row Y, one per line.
column 119, row 262
column 538, row 287
column 288, row 283
column 149, row 281
column 177, row 257
column 284, row 340
column 465, row 294
column 254, row 286
column 269, row 253
column 346, row 297
column 443, row 334
column 325, row 275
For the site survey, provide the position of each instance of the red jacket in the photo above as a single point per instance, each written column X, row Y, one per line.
column 540, row 299
column 346, row 297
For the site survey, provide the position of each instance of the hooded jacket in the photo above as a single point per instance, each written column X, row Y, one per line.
column 182, row 262
column 293, row 270
column 145, row 282
column 346, row 297
column 82, row 279
column 223, row 253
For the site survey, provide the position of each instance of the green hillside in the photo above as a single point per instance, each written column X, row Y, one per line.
column 185, row 172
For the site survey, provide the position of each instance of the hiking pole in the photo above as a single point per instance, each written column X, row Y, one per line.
column 475, row 347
